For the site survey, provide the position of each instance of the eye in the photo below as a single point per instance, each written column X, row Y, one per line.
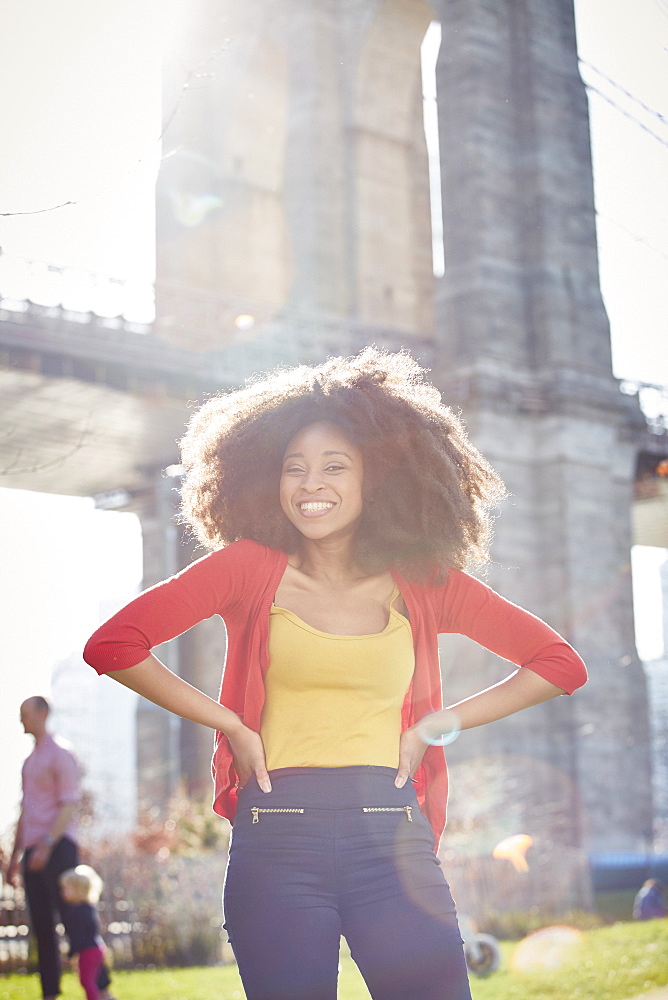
column 334, row 468
column 292, row 470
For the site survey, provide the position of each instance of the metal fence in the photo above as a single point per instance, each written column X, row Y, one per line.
column 166, row 911
column 14, row 930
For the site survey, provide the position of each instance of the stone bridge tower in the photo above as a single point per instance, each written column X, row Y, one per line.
column 523, row 345
column 294, row 210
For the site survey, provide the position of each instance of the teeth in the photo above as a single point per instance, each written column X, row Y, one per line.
column 316, row 505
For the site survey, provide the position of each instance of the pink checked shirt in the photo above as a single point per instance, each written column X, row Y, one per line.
column 50, row 779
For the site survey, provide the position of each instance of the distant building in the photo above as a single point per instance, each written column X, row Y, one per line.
column 657, row 683
column 98, row 717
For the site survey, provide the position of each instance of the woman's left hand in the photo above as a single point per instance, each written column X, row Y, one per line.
column 411, row 752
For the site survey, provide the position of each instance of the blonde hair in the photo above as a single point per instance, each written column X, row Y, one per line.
column 85, row 881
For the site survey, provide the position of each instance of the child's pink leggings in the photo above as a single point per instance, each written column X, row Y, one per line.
column 90, row 960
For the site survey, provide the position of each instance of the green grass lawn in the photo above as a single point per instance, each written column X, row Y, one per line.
column 613, row 963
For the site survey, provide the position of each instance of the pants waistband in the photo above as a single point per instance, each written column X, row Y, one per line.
column 329, row 788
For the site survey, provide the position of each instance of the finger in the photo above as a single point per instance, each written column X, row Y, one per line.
column 403, row 772
column 262, row 777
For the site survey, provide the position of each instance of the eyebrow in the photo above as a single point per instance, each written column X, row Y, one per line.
column 298, row 454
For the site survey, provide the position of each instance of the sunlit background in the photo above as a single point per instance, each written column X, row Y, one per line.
column 82, row 146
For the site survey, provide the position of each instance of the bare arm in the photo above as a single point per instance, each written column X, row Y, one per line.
column 154, row 681
column 14, row 864
column 519, row 690
column 62, row 820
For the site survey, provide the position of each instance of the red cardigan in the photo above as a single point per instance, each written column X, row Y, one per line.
column 239, row 583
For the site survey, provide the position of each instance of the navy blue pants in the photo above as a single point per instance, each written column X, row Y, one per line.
column 331, row 852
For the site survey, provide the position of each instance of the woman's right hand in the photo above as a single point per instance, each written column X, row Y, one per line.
column 154, row 681
column 249, row 758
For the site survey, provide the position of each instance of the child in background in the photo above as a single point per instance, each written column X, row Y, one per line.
column 81, row 888
column 649, row 903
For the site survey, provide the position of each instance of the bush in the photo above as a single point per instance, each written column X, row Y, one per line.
column 161, row 903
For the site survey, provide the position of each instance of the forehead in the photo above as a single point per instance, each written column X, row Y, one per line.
column 30, row 708
column 321, row 437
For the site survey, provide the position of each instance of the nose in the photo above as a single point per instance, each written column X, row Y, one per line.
column 312, row 481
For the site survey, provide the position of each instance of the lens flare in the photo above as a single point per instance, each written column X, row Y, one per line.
column 244, row 322
column 192, row 209
column 514, row 849
column 450, row 732
column 548, row 948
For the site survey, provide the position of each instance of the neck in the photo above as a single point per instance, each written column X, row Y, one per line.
column 40, row 736
column 330, row 560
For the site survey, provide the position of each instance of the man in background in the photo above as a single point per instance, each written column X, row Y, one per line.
column 46, row 840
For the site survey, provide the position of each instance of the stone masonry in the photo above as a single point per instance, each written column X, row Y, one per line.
column 294, row 196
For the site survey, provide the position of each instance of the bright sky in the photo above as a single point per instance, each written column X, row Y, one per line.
column 628, row 44
column 82, row 124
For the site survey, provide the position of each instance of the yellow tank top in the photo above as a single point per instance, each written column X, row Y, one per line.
column 335, row 700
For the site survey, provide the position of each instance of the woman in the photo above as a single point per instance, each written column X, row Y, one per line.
column 343, row 504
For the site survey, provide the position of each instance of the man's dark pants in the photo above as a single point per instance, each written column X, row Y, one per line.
column 46, row 907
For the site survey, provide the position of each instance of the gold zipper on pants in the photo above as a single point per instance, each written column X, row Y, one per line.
column 391, row 809
column 256, row 810
column 408, row 810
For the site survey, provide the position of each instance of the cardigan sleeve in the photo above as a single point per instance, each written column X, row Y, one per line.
column 209, row 586
column 466, row 606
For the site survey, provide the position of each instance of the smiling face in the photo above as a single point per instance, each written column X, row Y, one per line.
column 321, row 482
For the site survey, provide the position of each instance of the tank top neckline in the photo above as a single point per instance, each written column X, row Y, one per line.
column 395, row 619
